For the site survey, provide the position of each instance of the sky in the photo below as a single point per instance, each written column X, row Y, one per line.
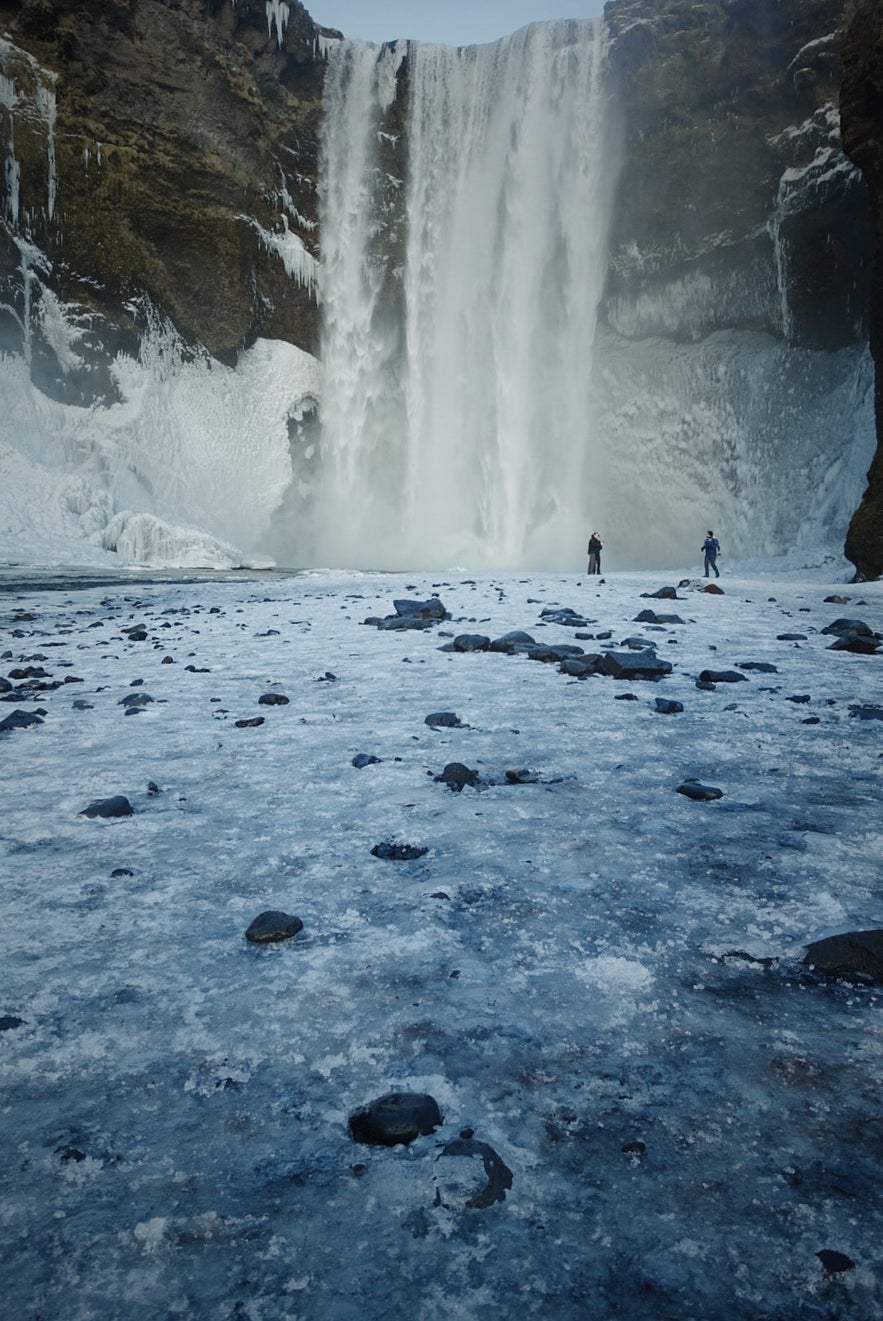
column 451, row 22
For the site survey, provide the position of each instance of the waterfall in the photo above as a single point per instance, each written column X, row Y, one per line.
column 463, row 259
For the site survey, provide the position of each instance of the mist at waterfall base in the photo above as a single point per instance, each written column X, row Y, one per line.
column 470, row 408
column 598, row 975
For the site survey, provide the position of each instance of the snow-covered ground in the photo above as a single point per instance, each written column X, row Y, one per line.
column 573, row 969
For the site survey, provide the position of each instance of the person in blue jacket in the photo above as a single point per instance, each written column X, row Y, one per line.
column 712, row 548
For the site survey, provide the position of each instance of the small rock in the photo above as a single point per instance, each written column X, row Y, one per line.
column 799, row 699
column 9, row 1021
column 471, row 642
column 790, row 637
column 249, row 724
column 363, row 759
column 854, row 956
column 522, row 776
column 117, row 806
column 272, row 699
column 666, row 707
column 866, row 712
column 701, row 792
column 835, row 1263
column 713, row 590
column 135, row 700
column 760, row 667
column 456, row 776
column 392, row 852
column 443, row 720
column 119, row 872
column 19, row 720
column 625, row 697
column 397, row 1118
column 273, row 926
column 722, row 676
column 510, row 643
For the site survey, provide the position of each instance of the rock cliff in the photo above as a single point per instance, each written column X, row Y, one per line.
column 158, row 148
column 862, row 117
column 736, row 205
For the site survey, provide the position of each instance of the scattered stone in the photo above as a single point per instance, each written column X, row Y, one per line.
column 580, row 667
column 119, row 872
column 497, row 1175
column 8, row 1022
column 812, row 720
column 167, row 660
column 713, row 590
column 135, row 700
column 866, row 712
column 705, row 686
column 839, row 627
column 565, row 616
column 854, row 956
column 327, row 677
column 522, row 776
column 152, row 788
column 249, row 724
column 836, row 600
column 116, row 806
column 722, row 676
column 412, row 614
column 29, row 672
column 395, row 1119
column 273, row 699
column 701, row 792
column 392, row 852
column 136, row 634
column 835, row 1263
column 197, row 669
column 799, row 699
column 625, row 697
column 634, row 1148
column 552, row 654
column 19, row 720
column 666, row 707
column 859, row 643
column 665, row 593
column 651, row 617
column 443, row 720
column 513, row 642
column 5, row 686
column 456, row 776
column 273, row 926
column 363, row 759
column 758, row 667
column 634, row 665
column 471, row 642
column 790, row 637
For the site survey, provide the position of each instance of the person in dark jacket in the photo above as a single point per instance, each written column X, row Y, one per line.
column 595, row 548
column 711, row 548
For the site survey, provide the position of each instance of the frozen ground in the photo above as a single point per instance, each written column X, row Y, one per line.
column 686, row 1128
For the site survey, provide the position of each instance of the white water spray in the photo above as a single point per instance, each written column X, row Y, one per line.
column 460, row 308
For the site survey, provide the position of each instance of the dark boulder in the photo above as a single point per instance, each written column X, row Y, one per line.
column 666, row 707
column 397, row 1118
column 512, row 642
column 855, row 626
column 431, row 609
column 134, row 700
column 471, row 642
column 251, row 723
column 790, row 637
column 866, row 712
column 552, row 654
column 117, row 806
column 456, row 776
column 392, row 852
column 634, row 665
column 581, row 667
column 363, row 759
column 854, row 956
column 704, row 793
column 273, row 926
column 651, row 617
column 273, row 699
column 722, row 676
column 758, row 667
column 19, row 720
column 443, row 720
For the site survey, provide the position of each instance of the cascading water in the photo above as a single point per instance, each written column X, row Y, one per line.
column 460, row 307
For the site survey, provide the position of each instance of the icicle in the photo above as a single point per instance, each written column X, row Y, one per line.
column 277, row 16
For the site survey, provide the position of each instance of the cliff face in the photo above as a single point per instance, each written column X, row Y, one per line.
column 736, row 205
column 158, row 147
column 862, row 117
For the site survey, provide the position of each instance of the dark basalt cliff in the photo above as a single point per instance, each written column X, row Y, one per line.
column 181, row 165
column 862, row 118
column 734, row 181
